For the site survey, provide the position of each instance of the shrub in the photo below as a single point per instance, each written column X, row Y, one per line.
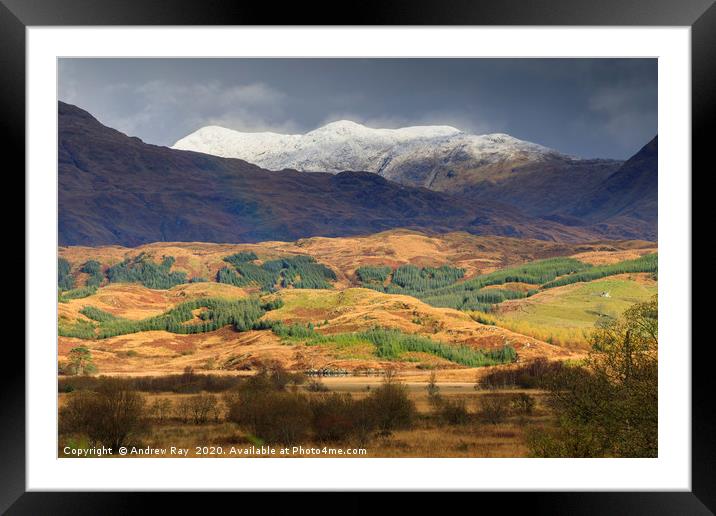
column 112, row 416
column 177, row 383
column 494, row 409
column 276, row 417
column 79, row 362
column 432, row 387
column 332, row 417
column 454, row 412
column 201, row 407
column 532, row 375
column 262, row 405
column 522, row 403
column 161, row 409
column 182, row 410
column 273, row 376
column 391, row 407
column 316, row 386
column 609, row 406
column 365, row 420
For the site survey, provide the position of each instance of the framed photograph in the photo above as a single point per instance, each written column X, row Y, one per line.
column 438, row 249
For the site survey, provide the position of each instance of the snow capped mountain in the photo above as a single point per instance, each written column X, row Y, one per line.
column 410, row 155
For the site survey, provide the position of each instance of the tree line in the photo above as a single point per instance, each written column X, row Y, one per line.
column 646, row 263
column 94, row 269
column 373, row 274
column 65, row 281
column 392, row 344
column 242, row 314
column 442, row 287
column 297, row 271
column 141, row 269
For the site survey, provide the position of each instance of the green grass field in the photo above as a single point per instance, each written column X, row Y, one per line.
column 563, row 314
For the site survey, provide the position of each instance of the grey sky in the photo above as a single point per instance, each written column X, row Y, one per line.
column 586, row 107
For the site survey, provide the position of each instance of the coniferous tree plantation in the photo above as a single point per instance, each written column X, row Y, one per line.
column 76, row 293
column 647, row 263
column 65, row 281
column 97, row 314
column 242, row 314
column 442, row 287
column 414, row 279
column 241, row 257
column 245, row 275
column 373, row 274
column 94, row 269
column 296, row 271
column 392, row 344
column 141, row 269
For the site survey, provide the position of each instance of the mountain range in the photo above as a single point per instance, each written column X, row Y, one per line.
column 430, row 156
column 537, row 180
column 116, row 189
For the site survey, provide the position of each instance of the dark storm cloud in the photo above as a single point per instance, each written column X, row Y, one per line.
column 585, row 107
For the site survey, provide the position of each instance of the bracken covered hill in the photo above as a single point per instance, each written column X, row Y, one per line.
column 337, row 311
column 474, row 253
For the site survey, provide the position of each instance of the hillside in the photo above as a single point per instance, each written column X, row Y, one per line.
column 538, row 181
column 215, row 310
column 489, row 167
column 545, row 187
column 333, row 312
column 115, row 189
column 631, row 192
column 475, row 254
column 565, row 315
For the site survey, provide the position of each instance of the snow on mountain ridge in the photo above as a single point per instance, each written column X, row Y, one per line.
column 346, row 145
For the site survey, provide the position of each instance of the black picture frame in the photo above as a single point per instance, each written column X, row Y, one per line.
column 17, row 15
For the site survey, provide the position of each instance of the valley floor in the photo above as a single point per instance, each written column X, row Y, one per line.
column 430, row 436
